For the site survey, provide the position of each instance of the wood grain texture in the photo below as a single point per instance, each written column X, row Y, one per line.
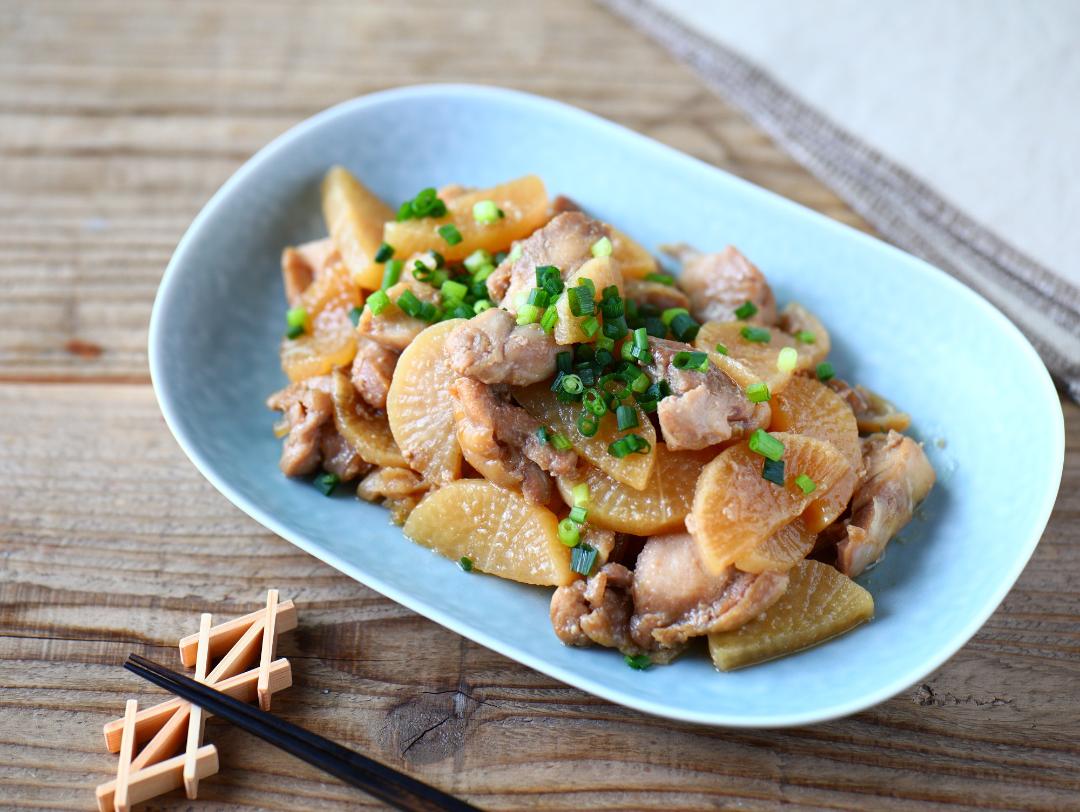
column 115, row 127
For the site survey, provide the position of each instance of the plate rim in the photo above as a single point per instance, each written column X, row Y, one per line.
column 204, row 465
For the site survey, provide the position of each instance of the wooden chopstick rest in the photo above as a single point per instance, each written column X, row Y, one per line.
column 161, row 746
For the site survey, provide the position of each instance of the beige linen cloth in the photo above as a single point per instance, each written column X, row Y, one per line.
column 952, row 126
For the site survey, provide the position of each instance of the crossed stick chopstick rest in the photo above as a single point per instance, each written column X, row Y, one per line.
column 170, row 733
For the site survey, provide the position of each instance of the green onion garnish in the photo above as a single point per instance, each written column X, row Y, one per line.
column 641, row 338
column 763, row 443
column 564, row 361
column 594, row 402
column 758, row 392
column 428, row 312
column 582, row 559
column 759, row 335
column 465, row 563
column 581, row 301
column 449, row 233
column 655, row 327
column 560, row 442
column 684, row 328
column 627, row 418
column 550, row 317
column 538, row 297
column 604, row 343
column 354, row 315
column 805, row 483
column 569, row 533
column 668, row 315
column 543, row 434
column 590, row 325
column 377, row 302
column 384, row 252
column 601, row 248
column 588, row 423
column 485, row 211
column 578, row 514
column 662, row 278
column 639, row 662
column 458, row 310
column 295, row 321
column 549, row 278
column 528, row 314
column 787, row 359
column 477, row 260
column 482, row 273
column 453, row 291
column 571, row 384
column 720, row 348
column 825, row 371
column 616, row 328
column 745, row 310
column 692, row 361
column 481, row 305
column 326, row 483
column 425, row 204
column 630, row 444
column 408, row 303
column 581, row 494
column 806, row 337
column 773, row 470
column 392, row 273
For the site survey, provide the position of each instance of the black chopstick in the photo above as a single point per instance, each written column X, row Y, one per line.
column 384, row 783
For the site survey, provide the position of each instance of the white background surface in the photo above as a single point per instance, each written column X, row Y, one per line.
column 980, row 99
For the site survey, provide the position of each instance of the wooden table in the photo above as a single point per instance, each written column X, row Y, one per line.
column 116, row 127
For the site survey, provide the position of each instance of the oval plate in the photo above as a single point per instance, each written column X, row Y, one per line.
column 982, row 400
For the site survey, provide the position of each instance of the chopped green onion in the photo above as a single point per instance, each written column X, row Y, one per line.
column 758, row 392
column 787, row 359
column 668, row 315
column 428, row 312
column 763, row 443
column 549, row 278
column 620, row 392
column 581, row 301
column 572, row 384
column 616, row 328
column 354, row 315
column 588, row 423
column 528, row 314
column 590, row 285
column 684, row 328
column 423, row 272
column 425, row 204
column 408, row 303
column 543, row 435
column 564, row 361
column 601, row 248
column 485, row 211
column 392, row 273
column 641, row 338
column 825, row 371
column 590, row 325
column 481, row 305
column 465, row 563
column 538, row 297
column 578, row 514
column 805, row 483
column 560, row 442
column 384, row 252
column 692, row 361
column 550, row 317
column 630, row 444
column 377, row 302
column 759, row 335
column 582, row 559
column 483, row 272
column 326, row 483
column 654, row 326
column 612, row 306
column 295, row 321
column 604, row 343
column 806, row 337
column 453, row 290
column 662, row 278
column 449, row 233
column 594, row 402
column 746, row 310
column 720, row 348
column 627, row 418
column 458, row 310
column 477, row 260
column 773, row 470
column 569, row 533
column 581, row 494
column 639, row 662
column 640, row 382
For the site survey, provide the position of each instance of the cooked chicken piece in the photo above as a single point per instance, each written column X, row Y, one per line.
column 493, row 348
column 597, row 610
column 297, row 275
column 675, row 598
column 656, row 294
column 393, row 328
column 562, row 204
column 499, row 440
column 390, row 483
column 338, row 457
column 719, row 283
column 319, row 254
column 452, row 190
column 603, row 541
column 308, row 408
column 565, row 242
column 372, row 371
column 873, row 413
column 704, row 408
column 898, row 477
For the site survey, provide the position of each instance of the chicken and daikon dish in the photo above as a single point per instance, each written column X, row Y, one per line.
column 531, row 395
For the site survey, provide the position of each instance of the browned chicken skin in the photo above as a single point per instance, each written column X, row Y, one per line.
column 704, row 408
column 565, row 242
column 898, row 477
column 596, row 611
column 493, row 348
column 718, row 283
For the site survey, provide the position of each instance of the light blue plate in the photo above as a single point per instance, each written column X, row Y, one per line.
column 981, row 399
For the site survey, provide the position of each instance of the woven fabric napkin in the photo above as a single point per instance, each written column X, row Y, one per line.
column 953, row 128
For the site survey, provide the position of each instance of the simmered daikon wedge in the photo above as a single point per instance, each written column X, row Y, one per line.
column 735, row 508
column 633, row 470
column 813, row 338
column 820, row 603
column 496, row 529
column 355, row 218
column 368, row 433
column 633, row 260
column 329, row 339
column 781, row 551
column 661, row 507
column 602, row 272
column 524, row 205
column 420, row 409
column 807, row 406
column 756, row 348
